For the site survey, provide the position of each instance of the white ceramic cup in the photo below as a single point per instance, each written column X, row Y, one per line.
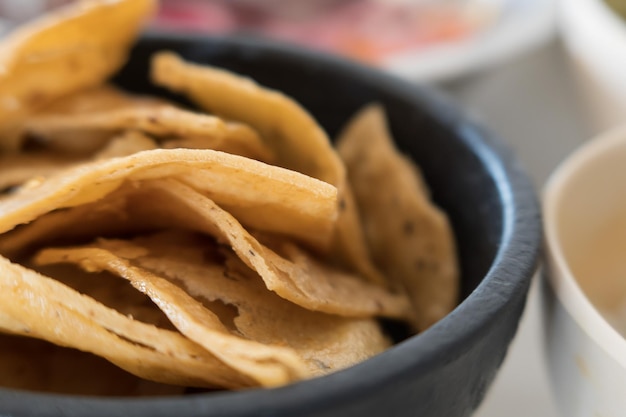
column 584, row 286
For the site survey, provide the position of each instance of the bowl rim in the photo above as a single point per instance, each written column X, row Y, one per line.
column 560, row 277
column 510, row 273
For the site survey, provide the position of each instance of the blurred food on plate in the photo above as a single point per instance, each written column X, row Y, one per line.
column 369, row 30
column 422, row 40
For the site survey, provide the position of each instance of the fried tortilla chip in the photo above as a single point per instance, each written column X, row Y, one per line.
column 114, row 293
column 325, row 343
column 98, row 99
column 259, row 195
column 37, row 306
column 161, row 120
column 297, row 140
column 126, row 143
column 77, row 46
column 409, row 237
column 109, row 216
column 30, row 364
column 267, row 364
column 296, row 276
column 291, row 272
column 15, row 170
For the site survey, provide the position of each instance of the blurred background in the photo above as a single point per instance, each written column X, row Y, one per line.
column 545, row 75
column 421, row 39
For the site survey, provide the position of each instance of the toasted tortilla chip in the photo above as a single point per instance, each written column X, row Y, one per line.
column 99, row 99
column 262, row 196
column 296, row 276
column 410, row 238
column 116, row 294
column 239, row 140
column 17, row 169
column 324, row 342
column 292, row 273
column 62, row 52
column 269, row 365
column 298, row 142
column 107, row 217
column 126, row 143
column 96, row 99
column 296, row 138
column 163, row 120
column 34, row 365
column 37, row 306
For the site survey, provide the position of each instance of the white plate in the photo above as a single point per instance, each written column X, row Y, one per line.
column 521, row 26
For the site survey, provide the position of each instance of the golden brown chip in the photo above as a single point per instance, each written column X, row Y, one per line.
column 116, row 294
column 326, row 343
column 270, row 365
column 292, row 273
column 110, row 216
column 239, row 140
column 162, row 120
column 295, row 276
column 30, row 364
column 262, row 196
column 37, row 306
column 409, row 237
column 17, row 169
column 83, row 102
column 62, row 52
column 297, row 140
column 97, row 99
column 126, row 143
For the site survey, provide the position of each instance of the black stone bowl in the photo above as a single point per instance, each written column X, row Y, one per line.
column 442, row 372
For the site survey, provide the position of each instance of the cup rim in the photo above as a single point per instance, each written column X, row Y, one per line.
column 561, row 278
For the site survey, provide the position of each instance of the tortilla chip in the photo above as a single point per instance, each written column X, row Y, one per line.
column 107, row 217
column 15, row 170
column 113, row 293
column 30, row 364
column 18, row 169
column 62, row 52
column 296, row 139
column 269, row 365
column 325, row 343
column 126, row 143
column 37, row 306
column 98, row 99
column 160, row 120
column 409, row 237
column 259, row 195
column 296, row 276
column 239, row 140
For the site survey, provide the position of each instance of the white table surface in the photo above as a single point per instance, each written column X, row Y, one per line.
column 533, row 104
